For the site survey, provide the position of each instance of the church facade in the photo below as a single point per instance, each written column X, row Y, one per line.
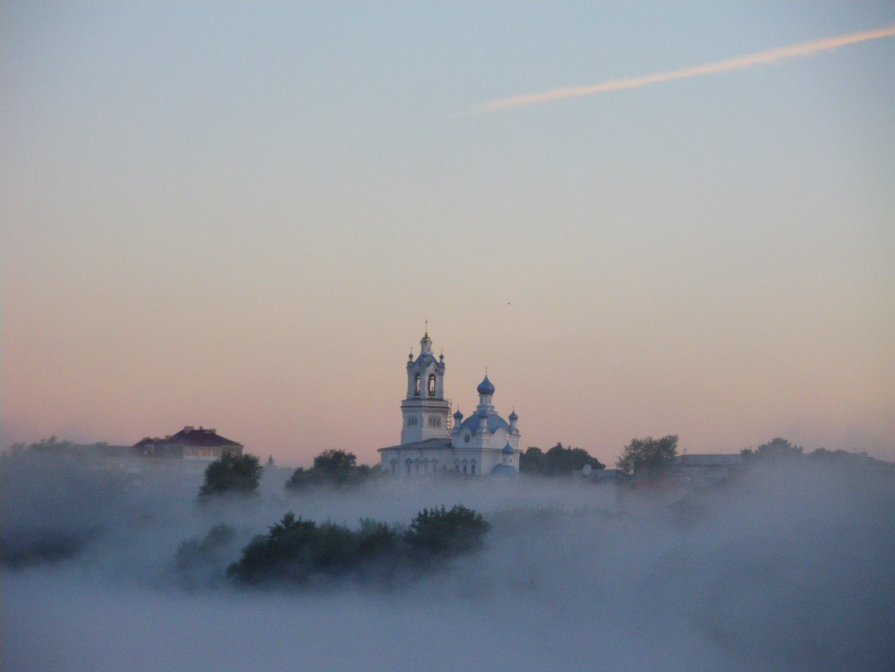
column 435, row 442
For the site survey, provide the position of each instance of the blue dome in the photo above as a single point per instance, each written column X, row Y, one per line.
column 485, row 387
column 495, row 422
column 458, row 415
column 508, row 449
column 513, row 416
column 505, row 471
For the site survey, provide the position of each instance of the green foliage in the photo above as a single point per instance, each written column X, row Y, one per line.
column 775, row 449
column 557, row 461
column 648, row 457
column 331, row 467
column 299, row 551
column 438, row 532
column 232, row 474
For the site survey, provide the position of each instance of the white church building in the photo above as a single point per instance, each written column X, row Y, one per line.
column 434, row 442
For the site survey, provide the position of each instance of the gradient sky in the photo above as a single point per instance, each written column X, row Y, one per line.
column 240, row 215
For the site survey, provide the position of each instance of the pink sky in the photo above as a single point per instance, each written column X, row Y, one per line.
column 242, row 219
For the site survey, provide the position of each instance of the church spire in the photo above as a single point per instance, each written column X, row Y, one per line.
column 425, row 341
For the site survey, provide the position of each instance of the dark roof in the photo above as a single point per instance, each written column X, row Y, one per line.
column 421, row 445
column 190, row 436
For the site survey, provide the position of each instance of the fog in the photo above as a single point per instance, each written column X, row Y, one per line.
column 786, row 567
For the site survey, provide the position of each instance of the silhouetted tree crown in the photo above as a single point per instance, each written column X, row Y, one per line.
column 232, row 474
column 297, row 550
column 331, row 467
column 556, row 461
column 649, row 456
column 440, row 532
column 775, row 449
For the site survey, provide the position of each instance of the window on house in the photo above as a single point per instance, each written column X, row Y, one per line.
column 434, row 421
column 472, row 468
column 416, row 386
column 431, row 384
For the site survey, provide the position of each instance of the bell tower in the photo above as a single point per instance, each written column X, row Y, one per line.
column 425, row 410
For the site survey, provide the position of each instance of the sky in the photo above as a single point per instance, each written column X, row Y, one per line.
column 241, row 216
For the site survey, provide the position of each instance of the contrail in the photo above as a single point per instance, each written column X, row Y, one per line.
column 741, row 63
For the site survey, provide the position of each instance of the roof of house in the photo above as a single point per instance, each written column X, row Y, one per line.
column 190, row 436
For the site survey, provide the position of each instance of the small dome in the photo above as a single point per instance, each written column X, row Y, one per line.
column 508, row 449
column 458, row 416
column 504, row 471
column 485, row 387
column 513, row 415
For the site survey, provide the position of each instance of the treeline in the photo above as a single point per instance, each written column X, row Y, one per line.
column 299, row 551
column 558, row 461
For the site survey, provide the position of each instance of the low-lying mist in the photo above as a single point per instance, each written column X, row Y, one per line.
column 787, row 567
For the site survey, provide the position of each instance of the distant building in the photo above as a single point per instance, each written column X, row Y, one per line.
column 189, row 444
column 707, row 469
column 482, row 444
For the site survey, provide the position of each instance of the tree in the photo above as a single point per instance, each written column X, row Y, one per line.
column 232, row 474
column 557, row 461
column 331, row 467
column 335, row 463
column 439, row 532
column 776, row 449
column 648, row 457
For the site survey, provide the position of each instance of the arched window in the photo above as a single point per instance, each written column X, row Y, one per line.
column 464, row 467
column 416, row 387
column 407, row 464
column 431, row 384
column 472, row 468
column 416, row 466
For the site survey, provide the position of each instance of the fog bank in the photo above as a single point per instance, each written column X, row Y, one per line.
column 788, row 567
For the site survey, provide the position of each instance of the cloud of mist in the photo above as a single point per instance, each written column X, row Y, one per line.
column 788, row 568
column 716, row 68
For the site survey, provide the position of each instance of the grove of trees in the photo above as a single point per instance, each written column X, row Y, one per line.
column 298, row 551
column 331, row 467
column 648, row 457
column 557, row 461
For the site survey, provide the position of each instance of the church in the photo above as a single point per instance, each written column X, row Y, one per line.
column 435, row 442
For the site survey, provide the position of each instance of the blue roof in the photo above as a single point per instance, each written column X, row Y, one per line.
column 504, row 470
column 426, row 359
column 485, row 387
column 495, row 422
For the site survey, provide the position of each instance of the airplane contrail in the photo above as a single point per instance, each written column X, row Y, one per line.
column 741, row 63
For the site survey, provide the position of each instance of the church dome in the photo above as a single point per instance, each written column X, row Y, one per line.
column 485, row 387
column 504, row 471
column 513, row 415
column 458, row 416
